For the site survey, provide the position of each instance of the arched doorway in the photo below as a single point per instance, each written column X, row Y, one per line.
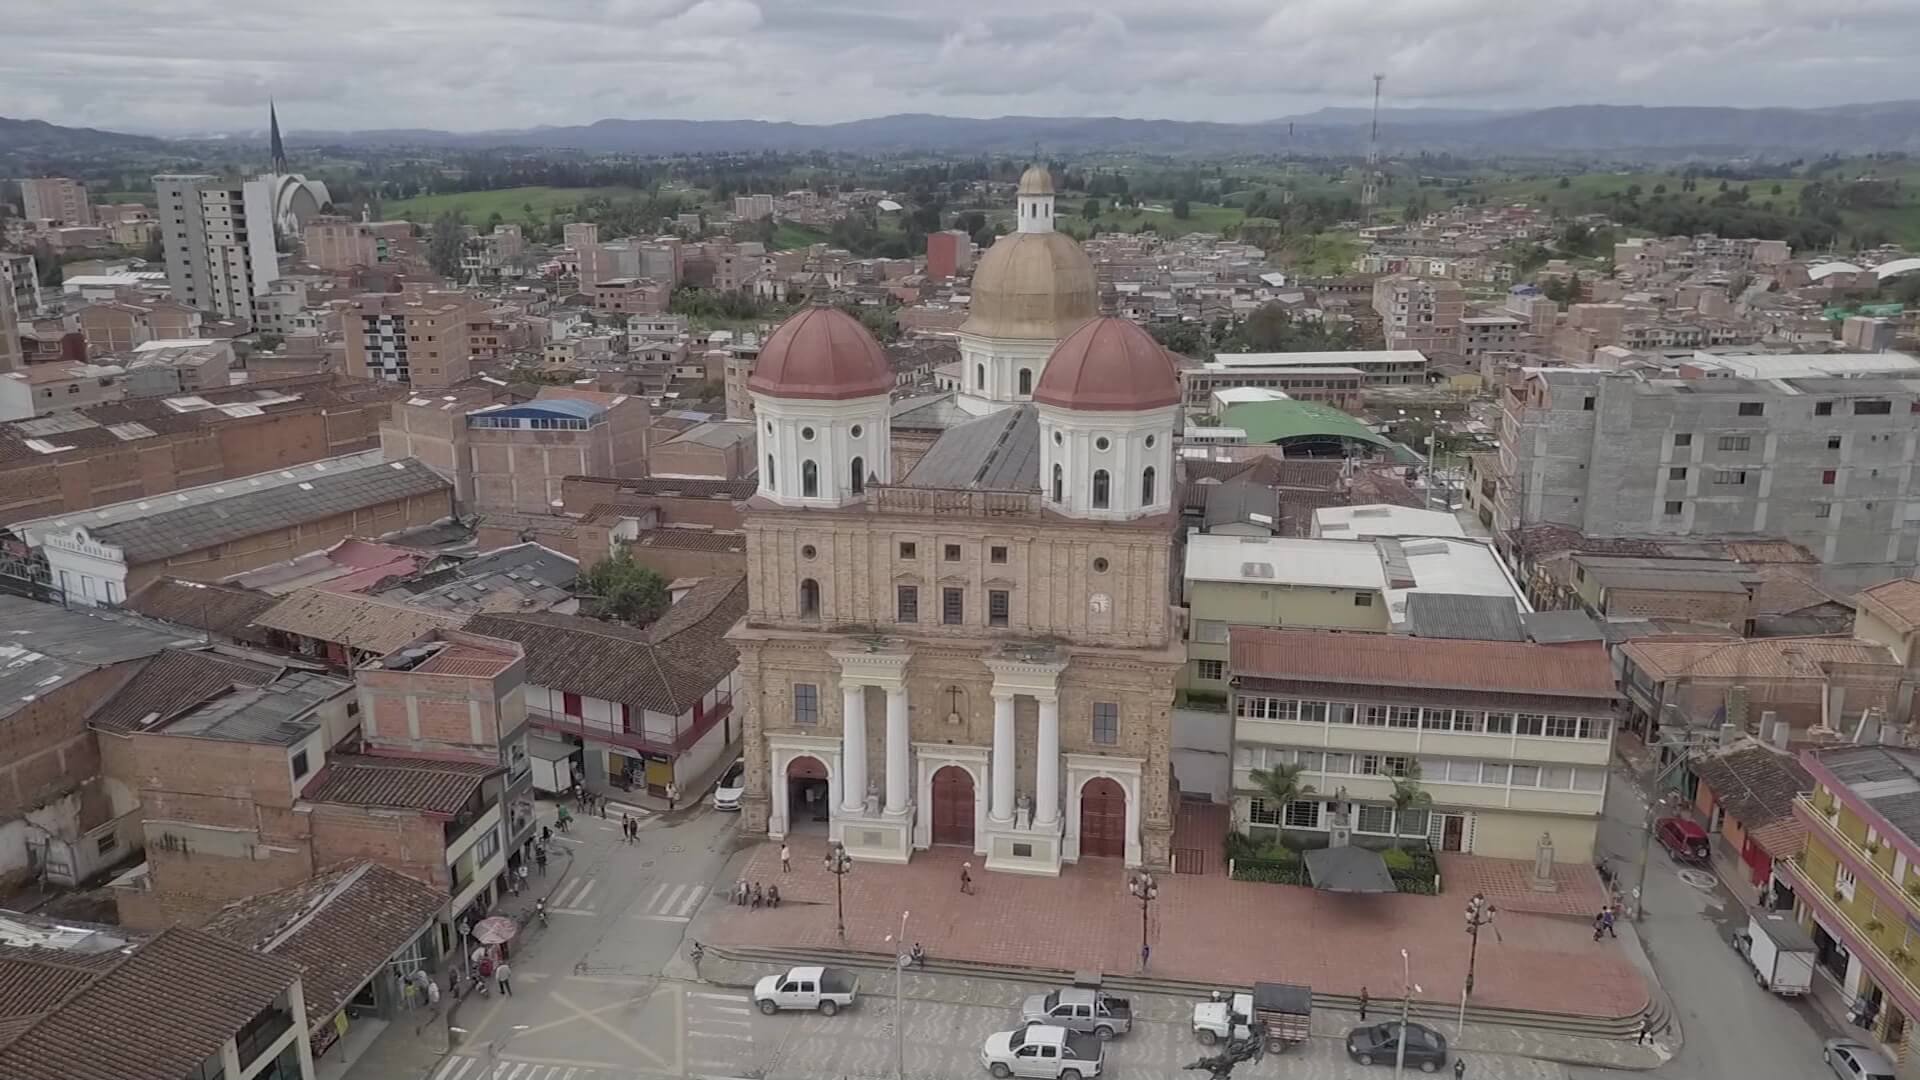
column 808, row 803
column 1103, row 819
column 953, row 806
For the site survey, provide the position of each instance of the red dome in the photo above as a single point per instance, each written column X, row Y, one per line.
column 821, row 353
column 1109, row 365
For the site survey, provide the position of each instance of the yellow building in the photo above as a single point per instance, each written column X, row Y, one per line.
column 1856, row 886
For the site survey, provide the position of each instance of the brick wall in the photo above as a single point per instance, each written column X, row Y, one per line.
column 1726, row 609
column 412, row 844
column 293, row 541
column 46, row 749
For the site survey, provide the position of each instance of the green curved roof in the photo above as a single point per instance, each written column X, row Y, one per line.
column 1272, row 421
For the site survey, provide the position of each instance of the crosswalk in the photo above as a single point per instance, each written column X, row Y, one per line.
column 575, row 897
column 719, row 1031
column 461, row 1067
column 670, row 902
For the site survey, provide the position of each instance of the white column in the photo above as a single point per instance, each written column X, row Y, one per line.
column 899, row 735
column 1001, row 809
column 853, row 735
column 1046, row 764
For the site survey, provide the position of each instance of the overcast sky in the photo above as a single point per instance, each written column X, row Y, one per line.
column 196, row 65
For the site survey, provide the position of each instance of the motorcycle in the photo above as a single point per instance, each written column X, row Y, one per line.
column 540, row 909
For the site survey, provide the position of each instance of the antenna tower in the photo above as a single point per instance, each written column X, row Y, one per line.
column 1370, row 186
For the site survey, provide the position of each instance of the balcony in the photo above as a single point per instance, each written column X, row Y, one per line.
column 1861, row 862
column 1886, row 973
column 954, row 502
column 646, row 742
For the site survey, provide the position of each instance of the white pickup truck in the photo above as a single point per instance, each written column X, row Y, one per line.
column 1043, row 1051
column 826, row 989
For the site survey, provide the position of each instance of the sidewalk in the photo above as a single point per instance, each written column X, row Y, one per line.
column 1201, row 928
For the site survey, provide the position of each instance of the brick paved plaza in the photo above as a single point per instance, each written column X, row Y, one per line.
column 1204, row 928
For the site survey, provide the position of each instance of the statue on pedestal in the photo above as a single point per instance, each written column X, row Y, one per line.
column 1023, row 811
column 1543, row 865
column 873, row 798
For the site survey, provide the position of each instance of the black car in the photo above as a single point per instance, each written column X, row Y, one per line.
column 1378, row 1044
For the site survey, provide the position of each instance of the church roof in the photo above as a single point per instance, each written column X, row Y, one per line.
column 1109, row 365
column 1037, row 180
column 998, row 452
column 821, row 353
column 1031, row 285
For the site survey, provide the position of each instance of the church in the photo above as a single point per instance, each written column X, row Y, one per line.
column 981, row 652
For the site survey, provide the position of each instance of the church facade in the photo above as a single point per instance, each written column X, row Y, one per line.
column 982, row 652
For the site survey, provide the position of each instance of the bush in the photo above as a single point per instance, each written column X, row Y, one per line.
column 1397, row 860
column 1272, row 871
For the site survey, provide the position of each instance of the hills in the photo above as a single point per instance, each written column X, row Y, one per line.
column 1566, row 131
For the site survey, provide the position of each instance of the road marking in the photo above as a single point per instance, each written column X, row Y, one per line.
column 717, row 997
column 698, row 894
column 517, row 1070
column 664, row 918
column 728, row 1035
column 571, row 1069
column 589, row 1015
column 571, row 911
column 448, row 1072
column 653, row 900
column 565, row 895
column 581, row 897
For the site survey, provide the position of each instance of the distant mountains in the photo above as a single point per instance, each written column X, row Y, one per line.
column 1566, row 131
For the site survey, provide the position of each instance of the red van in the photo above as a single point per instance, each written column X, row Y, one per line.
column 1684, row 840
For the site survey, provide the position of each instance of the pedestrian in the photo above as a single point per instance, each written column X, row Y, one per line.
column 919, row 956
column 502, row 972
column 521, row 873
column 673, row 795
column 786, row 858
column 540, row 860
column 1599, row 924
column 1364, row 999
column 626, row 829
column 740, row 892
column 633, row 829
column 966, row 878
column 1646, row 1031
column 758, row 897
column 773, row 896
column 433, row 992
column 1606, row 916
column 1459, row 1068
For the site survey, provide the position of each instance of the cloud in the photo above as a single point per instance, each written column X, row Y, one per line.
column 489, row 64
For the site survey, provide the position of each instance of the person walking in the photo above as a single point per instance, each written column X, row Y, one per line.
column 673, row 795
column 626, row 829
column 1364, row 999
column 1459, row 1068
column 520, row 872
column 1599, row 924
column 540, row 858
column 918, row 956
column 503, row 974
column 1646, row 1031
column 1606, row 919
column 786, row 858
column 966, row 879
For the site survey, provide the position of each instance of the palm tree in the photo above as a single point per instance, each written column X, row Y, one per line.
column 1281, row 785
column 1407, row 794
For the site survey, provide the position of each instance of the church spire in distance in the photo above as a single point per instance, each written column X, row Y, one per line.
column 277, row 148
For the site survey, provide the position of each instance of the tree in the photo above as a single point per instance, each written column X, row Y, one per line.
column 1181, row 210
column 1091, row 210
column 618, row 589
column 448, row 245
column 1281, row 785
column 1564, row 183
column 1407, row 795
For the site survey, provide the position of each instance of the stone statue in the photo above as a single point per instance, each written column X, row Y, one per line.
column 1235, row 1052
column 873, row 798
column 1023, row 811
column 1543, row 865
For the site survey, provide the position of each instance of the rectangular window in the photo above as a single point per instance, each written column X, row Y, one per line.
column 1373, row 715
column 1833, row 442
column 1684, row 438
column 953, row 606
column 1823, row 408
column 997, row 555
column 1403, row 716
column 1363, row 599
column 909, row 603
column 806, row 704
column 1729, row 476
column 1397, row 765
column 1260, row 813
column 1872, row 408
column 1436, row 719
column 1369, row 765
column 1374, row 819
column 1675, row 507
column 1310, row 760
column 1822, row 510
column 1589, row 779
column 1106, row 723
column 1828, row 476
column 1210, row 670
column 1753, row 408
column 1531, row 724
column 1303, row 814
column 1526, row 776
column 953, row 553
column 1339, row 712
column 1586, row 403
column 300, row 765
column 1313, row 711
column 1493, row 772
column 1843, row 882
column 1736, row 442
column 1563, row 727
column 999, row 603
column 1556, row 777
column 1595, row 728
column 1679, row 473
column 1467, row 720
column 908, row 550
column 1210, row 631
column 1339, row 764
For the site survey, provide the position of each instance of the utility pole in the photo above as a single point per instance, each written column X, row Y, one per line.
column 1406, row 1008
column 1655, row 800
column 1370, row 184
column 901, row 958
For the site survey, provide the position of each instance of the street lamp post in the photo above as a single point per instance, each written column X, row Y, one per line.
column 901, row 958
column 1145, row 890
column 1406, row 1009
column 1480, row 912
column 839, row 864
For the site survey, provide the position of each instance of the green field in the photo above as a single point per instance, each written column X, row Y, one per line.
column 787, row 236
column 509, row 203
column 1202, row 217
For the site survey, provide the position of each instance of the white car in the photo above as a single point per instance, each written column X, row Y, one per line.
column 732, row 785
column 1044, row 1052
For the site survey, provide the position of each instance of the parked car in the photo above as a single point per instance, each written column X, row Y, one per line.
column 1090, row 1012
column 1684, row 840
column 826, row 989
column 1284, row 1014
column 1852, row 1060
column 732, row 785
column 1045, row 1051
column 1379, row 1044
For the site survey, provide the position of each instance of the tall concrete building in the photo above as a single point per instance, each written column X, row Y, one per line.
column 1774, row 446
column 10, row 358
column 219, row 235
column 56, row 198
column 1420, row 313
column 418, row 340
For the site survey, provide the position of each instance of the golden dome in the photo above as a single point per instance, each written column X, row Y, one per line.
column 1036, row 181
column 1032, row 285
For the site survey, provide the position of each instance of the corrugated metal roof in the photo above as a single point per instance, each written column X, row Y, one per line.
column 1000, row 452
column 1456, row 615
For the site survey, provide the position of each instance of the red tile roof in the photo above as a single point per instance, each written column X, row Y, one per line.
column 173, row 682
column 1897, row 602
column 434, row 787
column 1574, row 669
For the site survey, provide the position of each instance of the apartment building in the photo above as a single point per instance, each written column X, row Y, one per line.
column 1855, row 887
column 335, row 243
column 629, row 296
column 219, row 247
column 752, row 207
column 58, row 387
column 418, row 340
column 1817, row 460
column 949, row 253
column 1510, row 739
column 1487, row 339
column 1420, row 313
column 10, row 352
column 503, row 457
column 56, row 198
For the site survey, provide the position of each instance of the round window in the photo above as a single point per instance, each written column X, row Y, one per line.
column 1149, row 442
column 1099, row 566
column 857, row 429
column 806, row 433
column 807, row 551
column 1058, row 439
column 1101, row 443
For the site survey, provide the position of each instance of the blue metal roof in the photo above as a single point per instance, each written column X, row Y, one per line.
column 550, row 407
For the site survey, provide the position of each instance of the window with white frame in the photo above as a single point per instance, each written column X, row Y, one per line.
column 1374, row 819
column 1499, row 723
column 1339, row 712
column 1210, row 631
column 1411, row 822
column 1843, row 882
column 1338, row 764
column 1373, row 715
column 1494, row 772
column 1436, row 719
column 1312, row 711
column 1259, row 812
column 1310, row 760
column 1596, row 727
column 1530, row 723
column 1526, row 776
column 1403, row 716
column 1556, row 777
column 1210, row 670
column 1563, row 727
column 1303, row 814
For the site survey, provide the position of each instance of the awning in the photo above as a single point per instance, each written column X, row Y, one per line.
column 1349, row 869
column 547, row 749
